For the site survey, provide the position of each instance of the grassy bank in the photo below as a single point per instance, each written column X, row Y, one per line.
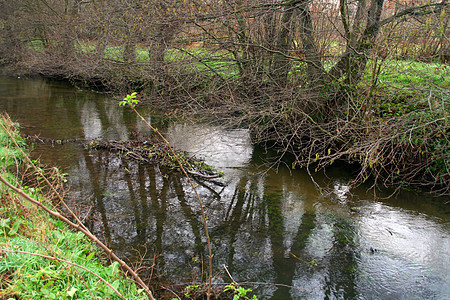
column 40, row 257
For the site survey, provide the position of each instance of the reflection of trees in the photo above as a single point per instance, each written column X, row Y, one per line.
column 285, row 267
column 141, row 205
column 253, row 230
column 98, row 190
column 342, row 265
column 289, row 251
column 265, row 214
column 250, row 230
column 137, row 207
column 235, row 216
column 159, row 204
column 189, row 214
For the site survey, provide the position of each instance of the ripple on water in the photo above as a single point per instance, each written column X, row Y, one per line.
column 411, row 257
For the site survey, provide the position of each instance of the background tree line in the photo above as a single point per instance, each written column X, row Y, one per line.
column 309, row 76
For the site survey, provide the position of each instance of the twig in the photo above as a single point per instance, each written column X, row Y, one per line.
column 309, row 172
column 231, row 277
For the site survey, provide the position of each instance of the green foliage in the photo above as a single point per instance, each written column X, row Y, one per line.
column 204, row 62
column 114, row 52
column 239, row 292
column 129, row 100
column 86, row 47
column 142, row 55
column 37, row 45
column 190, row 289
column 412, row 139
column 412, row 74
column 9, row 154
column 40, row 278
column 396, row 102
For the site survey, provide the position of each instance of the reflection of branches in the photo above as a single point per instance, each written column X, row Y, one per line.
column 98, row 192
column 285, row 267
column 129, row 101
column 343, row 266
column 159, row 202
column 142, row 227
column 236, row 206
column 187, row 211
column 235, row 216
column 136, row 208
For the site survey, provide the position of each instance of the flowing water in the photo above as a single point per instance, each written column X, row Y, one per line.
column 270, row 227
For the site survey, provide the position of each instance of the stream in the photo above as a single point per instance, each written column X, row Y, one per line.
column 268, row 226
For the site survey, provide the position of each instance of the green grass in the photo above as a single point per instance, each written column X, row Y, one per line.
column 24, row 228
column 9, row 154
column 405, row 87
column 33, row 277
column 413, row 74
column 37, row 45
column 114, row 52
column 86, row 47
column 197, row 59
column 394, row 73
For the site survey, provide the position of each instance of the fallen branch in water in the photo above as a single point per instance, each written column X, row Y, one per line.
column 149, row 150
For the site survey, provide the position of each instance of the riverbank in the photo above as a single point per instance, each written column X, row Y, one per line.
column 41, row 258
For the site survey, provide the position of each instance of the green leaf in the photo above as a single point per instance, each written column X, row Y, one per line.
column 113, row 268
column 4, row 223
column 72, row 292
column 90, row 256
column 15, row 228
column 130, row 100
column 116, row 284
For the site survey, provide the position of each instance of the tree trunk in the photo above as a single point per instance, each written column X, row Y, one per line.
column 129, row 52
column 281, row 63
column 71, row 14
column 352, row 64
column 314, row 70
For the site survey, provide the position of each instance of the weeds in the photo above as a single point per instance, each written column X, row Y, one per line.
column 40, row 257
column 239, row 292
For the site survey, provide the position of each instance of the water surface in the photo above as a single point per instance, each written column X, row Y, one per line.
column 270, row 227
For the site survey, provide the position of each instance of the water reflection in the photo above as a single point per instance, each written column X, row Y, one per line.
column 228, row 150
column 271, row 228
column 90, row 118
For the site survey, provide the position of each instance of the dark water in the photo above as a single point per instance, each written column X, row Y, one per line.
column 268, row 226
